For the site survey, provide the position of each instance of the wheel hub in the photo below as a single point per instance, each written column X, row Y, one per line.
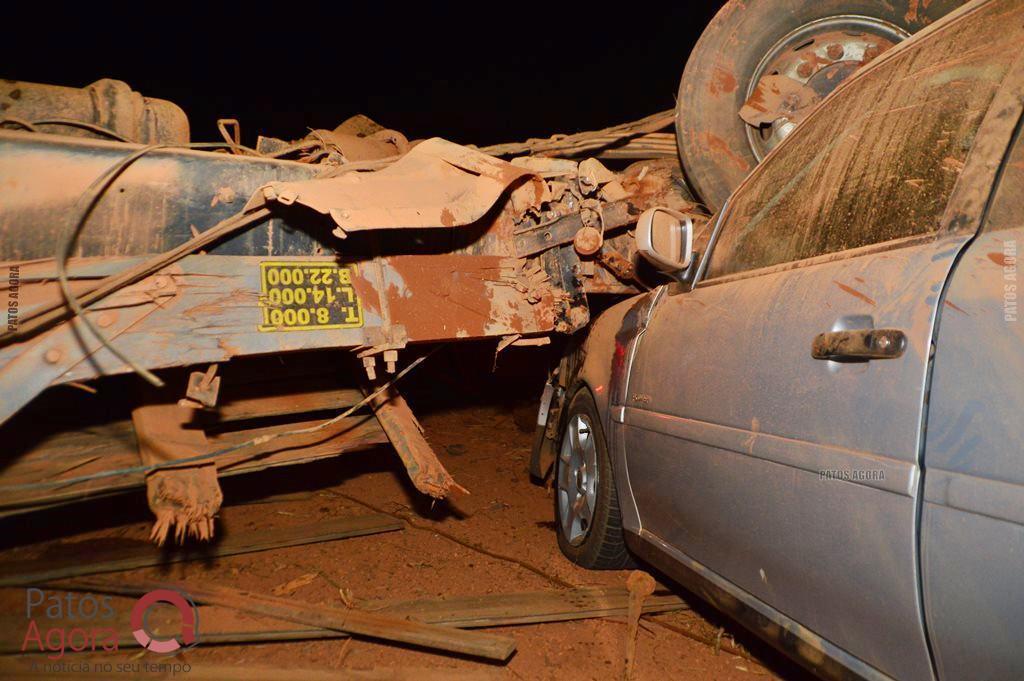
column 804, row 67
column 577, row 479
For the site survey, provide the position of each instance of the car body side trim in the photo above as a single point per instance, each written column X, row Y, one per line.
column 863, row 468
column 975, row 494
column 821, row 656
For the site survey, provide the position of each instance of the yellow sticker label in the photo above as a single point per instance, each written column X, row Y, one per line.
column 305, row 296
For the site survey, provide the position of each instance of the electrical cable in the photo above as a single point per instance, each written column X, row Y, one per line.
column 69, row 238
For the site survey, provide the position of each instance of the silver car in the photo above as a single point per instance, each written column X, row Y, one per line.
column 817, row 422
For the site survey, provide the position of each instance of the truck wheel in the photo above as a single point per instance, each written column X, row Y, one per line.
column 587, row 517
column 780, row 57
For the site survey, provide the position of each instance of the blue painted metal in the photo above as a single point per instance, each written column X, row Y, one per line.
column 150, row 209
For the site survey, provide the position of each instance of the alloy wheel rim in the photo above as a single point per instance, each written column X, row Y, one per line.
column 577, row 479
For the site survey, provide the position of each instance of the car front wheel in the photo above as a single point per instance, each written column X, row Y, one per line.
column 587, row 516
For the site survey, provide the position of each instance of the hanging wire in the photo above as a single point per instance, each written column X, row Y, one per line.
column 84, row 207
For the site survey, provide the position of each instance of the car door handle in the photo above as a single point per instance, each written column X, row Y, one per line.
column 859, row 345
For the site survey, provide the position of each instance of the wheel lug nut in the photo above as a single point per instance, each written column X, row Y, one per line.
column 805, row 69
column 835, row 51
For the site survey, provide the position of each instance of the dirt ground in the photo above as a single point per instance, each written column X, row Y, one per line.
column 499, row 539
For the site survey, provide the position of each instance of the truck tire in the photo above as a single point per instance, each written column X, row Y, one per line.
column 750, row 39
column 587, row 518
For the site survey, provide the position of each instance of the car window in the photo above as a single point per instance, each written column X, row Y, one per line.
column 879, row 161
column 1007, row 210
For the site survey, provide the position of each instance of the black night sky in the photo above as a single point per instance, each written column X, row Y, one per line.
column 494, row 73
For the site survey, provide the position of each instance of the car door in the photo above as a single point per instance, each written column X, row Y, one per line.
column 795, row 479
column 972, row 520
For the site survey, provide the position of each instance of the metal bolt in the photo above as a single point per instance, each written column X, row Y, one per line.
column 588, row 241
column 835, row 51
column 53, row 355
column 805, row 70
column 370, row 364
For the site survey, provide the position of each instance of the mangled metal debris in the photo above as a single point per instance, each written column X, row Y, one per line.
column 436, row 184
column 439, row 242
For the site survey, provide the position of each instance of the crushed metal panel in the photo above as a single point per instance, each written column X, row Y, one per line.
column 437, row 184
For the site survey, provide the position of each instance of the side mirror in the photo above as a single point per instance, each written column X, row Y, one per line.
column 665, row 238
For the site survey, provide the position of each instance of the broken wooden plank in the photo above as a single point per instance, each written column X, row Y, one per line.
column 355, row 622
column 46, row 463
column 491, row 610
column 18, row 670
column 145, row 554
column 245, row 407
column 498, row 610
column 426, row 471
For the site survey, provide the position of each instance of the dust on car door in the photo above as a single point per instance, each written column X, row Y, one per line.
column 795, row 476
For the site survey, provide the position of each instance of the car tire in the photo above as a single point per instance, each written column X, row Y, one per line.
column 587, row 518
column 713, row 141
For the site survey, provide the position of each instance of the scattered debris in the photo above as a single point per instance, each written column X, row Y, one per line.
column 18, row 670
column 355, row 622
column 144, row 555
column 295, row 584
column 469, row 612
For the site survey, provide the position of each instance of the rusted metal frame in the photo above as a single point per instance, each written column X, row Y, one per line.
column 207, row 309
column 562, row 230
column 566, row 270
column 157, row 205
column 29, row 367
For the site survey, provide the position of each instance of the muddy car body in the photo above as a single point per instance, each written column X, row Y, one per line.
column 818, row 428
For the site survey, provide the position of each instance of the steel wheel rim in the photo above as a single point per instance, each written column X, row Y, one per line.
column 859, row 29
column 577, row 479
